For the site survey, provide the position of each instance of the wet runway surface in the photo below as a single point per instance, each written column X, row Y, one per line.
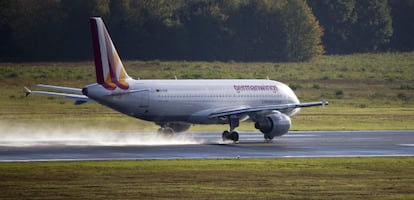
column 209, row 146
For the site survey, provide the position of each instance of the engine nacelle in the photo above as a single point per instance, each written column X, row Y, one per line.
column 275, row 124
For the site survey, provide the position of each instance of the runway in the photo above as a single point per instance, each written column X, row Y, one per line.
column 210, row 146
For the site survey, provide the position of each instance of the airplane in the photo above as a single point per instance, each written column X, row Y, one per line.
column 175, row 105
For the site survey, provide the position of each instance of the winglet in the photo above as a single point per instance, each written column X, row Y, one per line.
column 27, row 91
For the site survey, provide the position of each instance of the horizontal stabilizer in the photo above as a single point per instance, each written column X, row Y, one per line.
column 79, row 98
column 60, row 88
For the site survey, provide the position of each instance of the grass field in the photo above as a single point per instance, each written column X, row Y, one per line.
column 321, row 178
column 365, row 91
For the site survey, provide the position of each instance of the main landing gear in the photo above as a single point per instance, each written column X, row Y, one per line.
column 166, row 132
column 231, row 134
column 168, row 129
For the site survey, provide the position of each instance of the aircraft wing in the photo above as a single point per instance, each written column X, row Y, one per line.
column 280, row 107
column 77, row 96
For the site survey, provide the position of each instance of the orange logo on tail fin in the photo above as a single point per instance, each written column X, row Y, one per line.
column 110, row 72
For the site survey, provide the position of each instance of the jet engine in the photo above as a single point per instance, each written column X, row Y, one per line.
column 275, row 124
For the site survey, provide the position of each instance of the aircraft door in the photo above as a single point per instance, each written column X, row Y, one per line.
column 143, row 101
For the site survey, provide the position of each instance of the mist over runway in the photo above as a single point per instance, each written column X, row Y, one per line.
column 208, row 145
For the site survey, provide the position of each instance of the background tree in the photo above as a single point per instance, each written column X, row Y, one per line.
column 373, row 28
column 302, row 32
column 75, row 26
column 337, row 19
column 403, row 25
column 240, row 30
column 30, row 28
column 354, row 26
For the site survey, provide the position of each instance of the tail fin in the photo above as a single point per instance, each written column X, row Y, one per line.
column 110, row 72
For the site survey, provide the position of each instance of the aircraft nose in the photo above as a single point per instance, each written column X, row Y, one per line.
column 85, row 91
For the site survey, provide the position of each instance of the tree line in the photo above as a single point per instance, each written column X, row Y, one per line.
column 239, row 30
column 366, row 25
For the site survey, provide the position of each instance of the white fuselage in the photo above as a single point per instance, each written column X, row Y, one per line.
column 191, row 100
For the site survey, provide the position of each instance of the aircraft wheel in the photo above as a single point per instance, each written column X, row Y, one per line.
column 166, row 132
column 268, row 138
column 225, row 135
column 234, row 136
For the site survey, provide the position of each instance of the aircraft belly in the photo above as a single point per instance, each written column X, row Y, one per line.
column 190, row 111
column 173, row 110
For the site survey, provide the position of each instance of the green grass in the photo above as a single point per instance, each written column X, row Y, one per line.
column 365, row 91
column 322, row 178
